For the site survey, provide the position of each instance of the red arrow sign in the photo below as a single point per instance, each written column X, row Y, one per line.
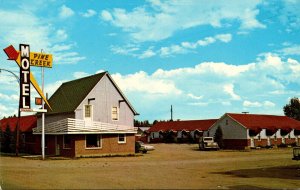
column 11, row 53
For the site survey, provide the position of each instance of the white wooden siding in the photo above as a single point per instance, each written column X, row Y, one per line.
column 106, row 96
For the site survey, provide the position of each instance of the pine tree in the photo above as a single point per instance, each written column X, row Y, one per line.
column 219, row 137
column 7, row 139
column 292, row 109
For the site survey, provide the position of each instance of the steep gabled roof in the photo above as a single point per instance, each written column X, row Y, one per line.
column 26, row 123
column 188, row 125
column 271, row 122
column 70, row 94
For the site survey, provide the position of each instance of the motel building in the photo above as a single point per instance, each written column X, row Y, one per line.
column 89, row 117
column 242, row 131
column 179, row 131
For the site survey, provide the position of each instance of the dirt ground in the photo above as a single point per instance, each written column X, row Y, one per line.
column 170, row 166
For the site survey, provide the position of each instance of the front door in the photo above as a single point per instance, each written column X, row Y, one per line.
column 57, row 148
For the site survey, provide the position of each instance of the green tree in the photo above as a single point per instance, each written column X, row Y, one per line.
column 219, row 137
column 292, row 109
column 7, row 139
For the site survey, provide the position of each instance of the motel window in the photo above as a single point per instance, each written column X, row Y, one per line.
column 93, row 141
column 114, row 113
column 67, row 142
column 122, row 138
column 87, row 111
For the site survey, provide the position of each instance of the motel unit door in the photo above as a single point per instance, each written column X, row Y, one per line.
column 252, row 143
column 57, row 148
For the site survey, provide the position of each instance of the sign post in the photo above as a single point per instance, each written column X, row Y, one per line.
column 24, row 58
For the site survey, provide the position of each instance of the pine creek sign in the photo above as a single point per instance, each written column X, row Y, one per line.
column 24, row 58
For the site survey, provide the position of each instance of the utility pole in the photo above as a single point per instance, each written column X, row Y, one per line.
column 171, row 113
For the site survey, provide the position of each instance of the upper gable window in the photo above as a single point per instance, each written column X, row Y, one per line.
column 87, row 111
column 115, row 113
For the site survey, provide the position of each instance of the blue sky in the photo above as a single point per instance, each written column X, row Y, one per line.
column 203, row 57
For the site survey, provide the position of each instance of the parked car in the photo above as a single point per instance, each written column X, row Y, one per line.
column 296, row 153
column 141, row 147
column 208, row 143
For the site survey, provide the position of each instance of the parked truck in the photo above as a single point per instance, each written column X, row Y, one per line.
column 208, row 143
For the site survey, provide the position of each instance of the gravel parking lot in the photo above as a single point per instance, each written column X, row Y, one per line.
column 170, row 166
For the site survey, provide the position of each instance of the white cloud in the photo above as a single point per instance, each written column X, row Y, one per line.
column 106, row 16
column 167, row 51
column 161, row 19
column 80, row 74
column 224, row 37
column 292, row 50
column 194, row 97
column 142, row 82
column 247, row 103
column 52, row 87
column 269, row 104
column 220, row 87
column 65, row 12
column 61, row 35
column 146, row 54
column 229, row 89
column 89, row 13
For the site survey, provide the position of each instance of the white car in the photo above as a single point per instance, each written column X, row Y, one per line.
column 144, row 147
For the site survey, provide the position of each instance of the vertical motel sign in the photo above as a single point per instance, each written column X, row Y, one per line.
column 24, row 58
column 24, row 76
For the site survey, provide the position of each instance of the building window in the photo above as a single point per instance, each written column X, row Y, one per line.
column 67, row 142
column 226, row 121
column 289, row 136
column 93, row 141
column 275, row 137
column 87, row 111
column 114, row 113
column 122, row 138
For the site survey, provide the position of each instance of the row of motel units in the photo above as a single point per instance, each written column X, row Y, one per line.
column 239, row 130
column 89, row 117
column 179, row 131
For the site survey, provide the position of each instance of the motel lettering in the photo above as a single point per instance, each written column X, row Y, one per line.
column 25, row 77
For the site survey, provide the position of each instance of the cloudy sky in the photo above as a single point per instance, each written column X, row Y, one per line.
column 203, row 57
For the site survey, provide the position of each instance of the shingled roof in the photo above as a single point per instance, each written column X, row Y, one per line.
column 188, row 125
column 271, row 122
column 26, row 123
column 70, row 94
